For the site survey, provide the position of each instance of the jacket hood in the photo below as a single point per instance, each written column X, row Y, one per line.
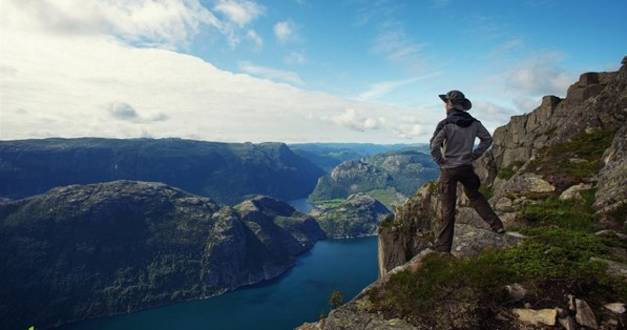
column 460, row 118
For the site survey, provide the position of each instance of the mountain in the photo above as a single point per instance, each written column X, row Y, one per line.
column 558, row 176
column 359, row 215
column 329, row 155
column 225, row 172
column 85, row 251
column 389, row 177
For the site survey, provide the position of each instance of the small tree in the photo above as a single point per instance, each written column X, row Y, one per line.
column 336, row 299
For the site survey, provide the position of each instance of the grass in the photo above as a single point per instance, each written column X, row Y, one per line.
column 508, row 172
column 329, row 203
column 486, row 191
column 554, row 259
column 571, row 214
column 387, row 196
column 555, row 162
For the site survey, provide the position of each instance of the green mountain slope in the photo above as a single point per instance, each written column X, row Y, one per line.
column 85, row 251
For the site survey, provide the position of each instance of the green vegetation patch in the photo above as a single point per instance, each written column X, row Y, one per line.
column 329, row 203
column 388, row 196
column 506, row 173
column 570, row 162
column 553, row 260
column 486, row 191
column 548, row 266
column 571, row 214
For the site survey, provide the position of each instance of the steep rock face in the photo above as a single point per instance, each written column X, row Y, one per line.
column 359, row 215
column 576, row 142
column 280, row 226
column 225, row 172
column 389, row 177
column 532, row 147
column 85, row 251
column 611, row 196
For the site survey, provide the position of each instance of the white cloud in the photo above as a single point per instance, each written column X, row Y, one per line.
column 124, row 111
column 70, row 84
column 271, row 73
column 163, row 23
column 382, row 88
column 393, row 43
column 255, row 38
column 410, row 131
column 284, row 31
column 351, row 119
column 295, row 58
column 240, row 12
column 540, row 75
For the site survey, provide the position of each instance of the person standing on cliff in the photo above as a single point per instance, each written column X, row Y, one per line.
column 452, row 148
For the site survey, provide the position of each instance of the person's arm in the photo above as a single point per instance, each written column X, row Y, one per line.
column 485, row 141
column 439, row 136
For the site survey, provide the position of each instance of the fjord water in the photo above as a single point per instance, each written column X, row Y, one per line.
column 299, row 295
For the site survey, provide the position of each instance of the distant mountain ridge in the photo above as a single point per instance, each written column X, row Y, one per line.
column 226, row 172
column 389, row 177
column 329, row 155
column 85, row 251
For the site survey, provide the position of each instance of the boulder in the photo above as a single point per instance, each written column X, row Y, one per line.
column 618, row 308
column 574, row 192
column 516, row 291
column 545, row 316
column 526, row 184
column 470, row 240
column 585, row 316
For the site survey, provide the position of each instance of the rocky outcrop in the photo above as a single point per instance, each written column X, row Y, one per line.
column 225, row 172
column 389, row 177
column 85, row 251
column 517, row 169
column 571, row 147
column 611, row 196
column 357, row 216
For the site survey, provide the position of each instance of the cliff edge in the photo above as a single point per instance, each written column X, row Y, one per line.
column 557, row 176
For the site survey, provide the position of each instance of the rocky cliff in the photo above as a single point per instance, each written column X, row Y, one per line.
column 558, row 177
column 226, row 172
column 357, row 216
column 389, row 177
column 85, row 251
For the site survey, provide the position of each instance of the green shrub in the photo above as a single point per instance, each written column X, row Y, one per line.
column 336, row 299
column 506, row 173
column 555, row 160
column 575, row 215
column 486, row 191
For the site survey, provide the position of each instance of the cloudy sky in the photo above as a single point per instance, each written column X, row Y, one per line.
column 289, row 70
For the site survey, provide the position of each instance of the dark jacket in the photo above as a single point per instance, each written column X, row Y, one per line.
column 454, row 139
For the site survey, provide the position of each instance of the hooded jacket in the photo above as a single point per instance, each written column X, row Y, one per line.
column 454, row 139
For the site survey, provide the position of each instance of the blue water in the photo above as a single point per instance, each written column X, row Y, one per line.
column 297, row 296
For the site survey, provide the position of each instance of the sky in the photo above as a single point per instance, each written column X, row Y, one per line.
column 289, row 70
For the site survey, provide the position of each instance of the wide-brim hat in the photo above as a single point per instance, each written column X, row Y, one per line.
column 457, row 100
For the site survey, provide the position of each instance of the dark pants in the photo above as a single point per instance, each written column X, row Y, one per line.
column 448, row 190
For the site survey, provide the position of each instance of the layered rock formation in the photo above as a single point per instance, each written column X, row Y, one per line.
column 85, row 251
column 357, row 216
column 556, row 174
column 389, row 177
column 225, row 172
